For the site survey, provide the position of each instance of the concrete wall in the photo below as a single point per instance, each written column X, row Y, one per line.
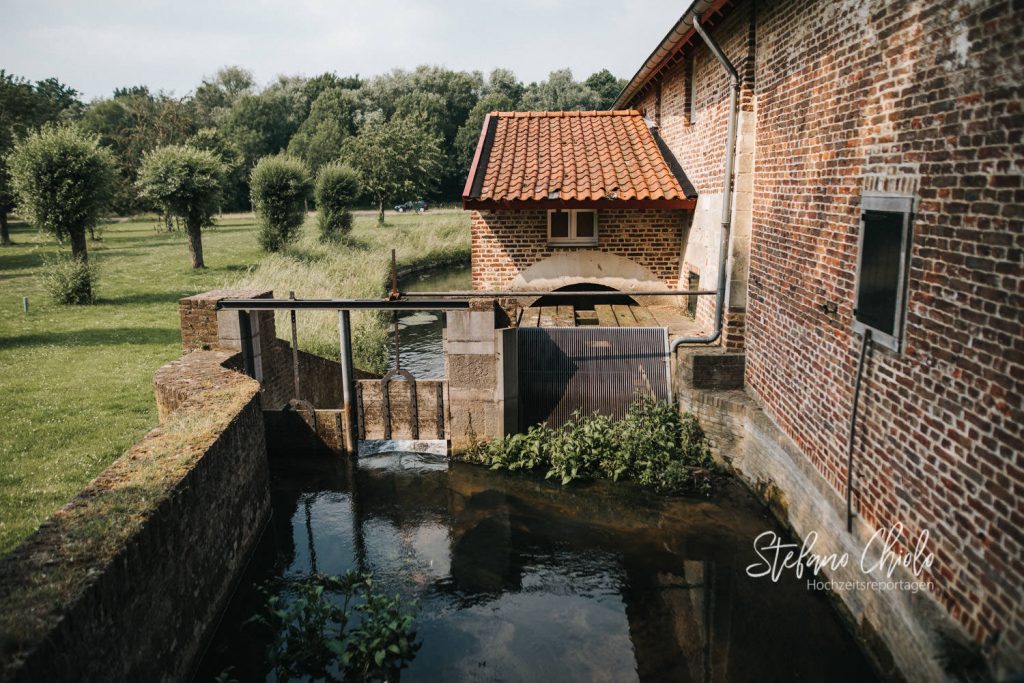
column 473, row 365
column 127, row 580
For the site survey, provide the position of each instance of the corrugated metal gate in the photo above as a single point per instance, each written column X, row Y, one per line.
column 590, row 369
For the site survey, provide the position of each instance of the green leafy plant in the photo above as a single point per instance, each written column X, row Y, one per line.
column 70, row 281
column 653, row 445
column 337, row 187
column 337, row 628
column 279, row 185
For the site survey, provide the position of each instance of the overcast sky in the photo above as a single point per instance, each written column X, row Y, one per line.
column 97, row 45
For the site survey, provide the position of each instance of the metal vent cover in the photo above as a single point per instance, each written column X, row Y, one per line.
column 602, row 369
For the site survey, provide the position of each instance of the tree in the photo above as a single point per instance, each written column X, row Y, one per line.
column 504, row 82
column 332, row 119
column 337, row 188
column 215, row 96
column 63, row 179
column 469, row 133
column 560, row 93
column 235, row 189
column 23, row 107
column 132, row 123
column 395, row 160
column 187, row 182
column 279, row 185
column 606, row 86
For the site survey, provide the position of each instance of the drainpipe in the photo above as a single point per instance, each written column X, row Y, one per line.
column 730, row 146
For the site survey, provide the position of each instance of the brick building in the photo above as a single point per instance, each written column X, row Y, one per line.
column 560, row 198
column 876, row 187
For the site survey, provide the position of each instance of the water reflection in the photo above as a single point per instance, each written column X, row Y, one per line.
column 420, row 332
column 521, row 580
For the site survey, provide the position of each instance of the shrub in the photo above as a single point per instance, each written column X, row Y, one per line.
column 337, row 187
column 279, row 185
column 653, row 445
column 71, row 281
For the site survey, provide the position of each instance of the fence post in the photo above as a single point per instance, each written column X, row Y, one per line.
column 348, row 393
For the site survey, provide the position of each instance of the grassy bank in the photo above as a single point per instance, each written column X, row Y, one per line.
column 358, row 267
column 76, row 382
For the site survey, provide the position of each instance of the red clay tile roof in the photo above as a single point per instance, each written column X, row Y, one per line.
column 573, row 157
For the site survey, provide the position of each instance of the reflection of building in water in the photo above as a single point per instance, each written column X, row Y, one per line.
column 506, row 563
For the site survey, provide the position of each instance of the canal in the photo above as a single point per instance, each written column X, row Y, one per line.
column 519, row 579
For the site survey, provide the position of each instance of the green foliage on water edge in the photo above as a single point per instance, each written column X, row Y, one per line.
column 338, row 628
column 654, row 445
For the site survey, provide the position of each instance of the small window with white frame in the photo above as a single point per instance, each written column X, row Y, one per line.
column 883, row 261
column 572, row 226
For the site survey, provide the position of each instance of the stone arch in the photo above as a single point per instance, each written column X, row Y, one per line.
column 586, row 267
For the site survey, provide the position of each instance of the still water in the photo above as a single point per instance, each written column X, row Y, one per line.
column 519, row 579
column 420, row 333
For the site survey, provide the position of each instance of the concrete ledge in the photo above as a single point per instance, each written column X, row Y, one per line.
column 909, row 635
column 126, row 580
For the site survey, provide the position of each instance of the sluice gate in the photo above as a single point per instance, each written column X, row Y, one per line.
column 588, row 369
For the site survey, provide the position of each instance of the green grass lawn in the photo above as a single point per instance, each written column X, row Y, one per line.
column 76, row 382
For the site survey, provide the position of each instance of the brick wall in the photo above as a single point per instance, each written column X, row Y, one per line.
column 920, row 98
column 127, row 580
column 692, row 102
column 507, row 242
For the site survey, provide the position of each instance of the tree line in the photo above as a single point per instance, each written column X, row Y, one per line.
column 408, row 133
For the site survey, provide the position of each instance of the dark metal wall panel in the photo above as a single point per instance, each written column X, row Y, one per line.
column 591, row 369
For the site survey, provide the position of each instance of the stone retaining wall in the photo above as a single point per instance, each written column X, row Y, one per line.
column 126, row 581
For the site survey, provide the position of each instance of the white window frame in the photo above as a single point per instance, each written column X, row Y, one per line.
column 572, row 239
column 902, row 206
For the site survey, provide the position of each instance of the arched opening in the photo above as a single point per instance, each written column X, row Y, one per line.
column 586, row 303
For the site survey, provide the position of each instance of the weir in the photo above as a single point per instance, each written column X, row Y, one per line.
column 509, row 362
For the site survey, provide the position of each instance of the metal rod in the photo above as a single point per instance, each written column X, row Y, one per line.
column 853, row 431
column 295, row 351
column 339, row 305
column 398, row 353
column 245, row 334
column 502, row 294
column 727, row 172
column 394, row 277
column 347, row 382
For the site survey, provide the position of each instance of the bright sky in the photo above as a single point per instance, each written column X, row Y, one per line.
column 97, row 45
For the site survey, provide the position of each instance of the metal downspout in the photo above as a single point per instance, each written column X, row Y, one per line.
column 853, row 431
column 730, row 146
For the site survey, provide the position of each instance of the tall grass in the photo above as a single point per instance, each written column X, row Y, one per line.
column 357, row 266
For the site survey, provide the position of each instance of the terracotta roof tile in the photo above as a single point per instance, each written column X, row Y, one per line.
column 572, row 155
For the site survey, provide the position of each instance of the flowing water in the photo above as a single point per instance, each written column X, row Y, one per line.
column 420, row 333
column 519, row 579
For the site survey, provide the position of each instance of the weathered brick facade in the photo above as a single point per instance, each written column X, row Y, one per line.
column 921, row 99
column 507, row 242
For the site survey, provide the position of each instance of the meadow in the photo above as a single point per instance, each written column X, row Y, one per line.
column 76, row 381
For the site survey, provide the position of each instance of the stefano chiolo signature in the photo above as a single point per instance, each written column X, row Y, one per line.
column 881, row 553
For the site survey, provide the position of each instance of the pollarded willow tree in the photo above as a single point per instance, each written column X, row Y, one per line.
column 395, row 159
column 337, row 188
column 279, row 185
column 186, row 182
column 63, row 180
